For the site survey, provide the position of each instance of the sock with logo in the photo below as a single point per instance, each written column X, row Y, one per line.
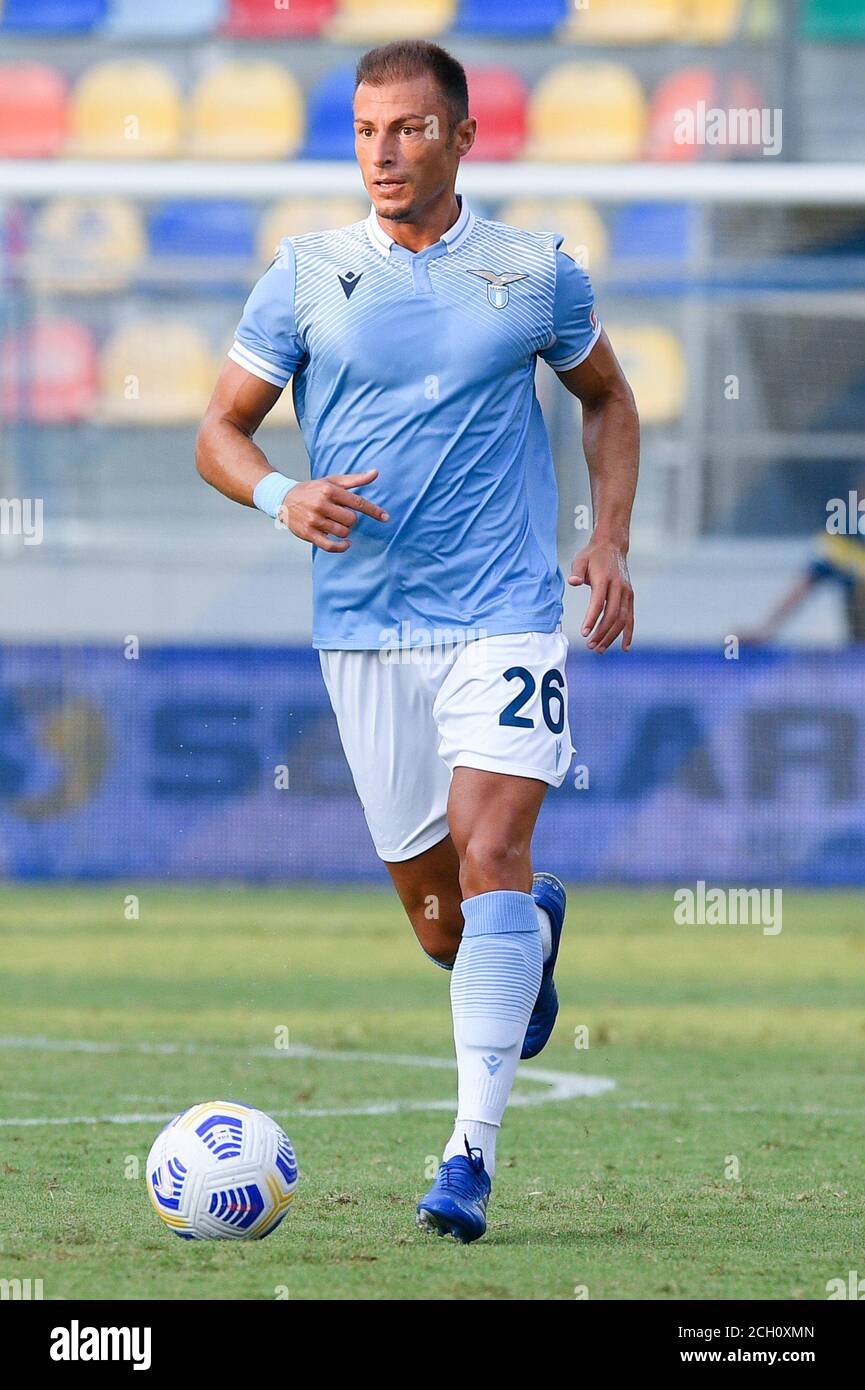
column 494, row 985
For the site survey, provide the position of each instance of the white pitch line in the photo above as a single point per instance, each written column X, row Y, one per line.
column 705, row 1108
column 562, row 1085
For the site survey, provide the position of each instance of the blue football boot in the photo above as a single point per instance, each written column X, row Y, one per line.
column 456, row 1204
column 549, row 893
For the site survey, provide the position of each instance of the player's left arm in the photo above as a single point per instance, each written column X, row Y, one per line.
column 611, row 442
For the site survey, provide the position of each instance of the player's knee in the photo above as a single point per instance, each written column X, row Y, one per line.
column 441, row 937
column 441, row 951
column 491, row 863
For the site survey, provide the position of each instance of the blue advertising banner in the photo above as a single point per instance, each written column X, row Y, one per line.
column 189, row 763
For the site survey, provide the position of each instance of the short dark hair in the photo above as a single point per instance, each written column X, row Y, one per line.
column 394, row 62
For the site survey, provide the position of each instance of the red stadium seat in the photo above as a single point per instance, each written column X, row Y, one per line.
column 48, row 374
column 499, row 100
column 683, row 91
column 267, row 19
column 33, row 111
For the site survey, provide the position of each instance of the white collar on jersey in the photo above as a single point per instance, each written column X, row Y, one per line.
column 452, row 238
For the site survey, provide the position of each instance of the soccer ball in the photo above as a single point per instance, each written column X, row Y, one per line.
column 222, row 1171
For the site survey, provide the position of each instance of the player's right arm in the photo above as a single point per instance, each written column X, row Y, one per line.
column 321, row 511
column 268, row 349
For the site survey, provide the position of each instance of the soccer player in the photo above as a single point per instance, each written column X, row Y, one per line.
column 411, row 340
column 836, row 559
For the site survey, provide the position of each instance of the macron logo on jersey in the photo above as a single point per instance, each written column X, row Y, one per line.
column 349, row 282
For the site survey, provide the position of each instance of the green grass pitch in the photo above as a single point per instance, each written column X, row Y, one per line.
column 731, row 1052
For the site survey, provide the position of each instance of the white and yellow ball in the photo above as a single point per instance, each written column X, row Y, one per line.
column 222, row 1171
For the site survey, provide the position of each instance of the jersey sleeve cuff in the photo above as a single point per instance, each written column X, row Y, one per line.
column 251, row 362
column 564, row 364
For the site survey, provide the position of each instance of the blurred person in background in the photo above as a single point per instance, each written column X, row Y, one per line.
column 835, row 558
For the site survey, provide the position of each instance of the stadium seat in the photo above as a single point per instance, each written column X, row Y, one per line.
column 499, row 101
column 53, row 16
column 125, row 109
column 682, row 91
column 709, row 21
column 587, row 112
column 33, row 111
column 295, row 216
column 267, row 19
column 652, row 231
column 330, row 117
column 585, row 236
column 625, row 21
column 511, row 18
column 85, row 245
column 203, row 227
column 654, row 364
column 246, row 110
column 48, row 374
column 165, row 18
column 155, row 371
column 368, row 20
column 762, row 20
column 834, row 20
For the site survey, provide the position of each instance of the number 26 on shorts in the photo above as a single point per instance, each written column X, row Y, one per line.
column 552, row 699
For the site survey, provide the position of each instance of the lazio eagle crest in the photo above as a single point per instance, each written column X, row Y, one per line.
column 498, row 293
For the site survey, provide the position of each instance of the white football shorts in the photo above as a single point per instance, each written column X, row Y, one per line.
column 408, row 717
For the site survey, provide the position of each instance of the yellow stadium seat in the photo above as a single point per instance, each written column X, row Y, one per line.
column 295, row 216
column 624, row 21
column 384, row 20
column 654, row 364
column 708, row 21
column 587, row 112
column 762, row 19
column 578, row 222
column 155, row 371
column 85, row 245
column 128, row 109
column 246, row 110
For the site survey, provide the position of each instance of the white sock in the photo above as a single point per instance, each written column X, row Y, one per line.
column 494, row 985
column 546, row 927
column 479, row 1135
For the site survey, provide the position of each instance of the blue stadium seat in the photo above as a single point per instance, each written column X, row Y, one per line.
column 165, row 18
column 53, row 16
column 648, row 231
column 329, row 117
column 203, row 227
column 511, row 17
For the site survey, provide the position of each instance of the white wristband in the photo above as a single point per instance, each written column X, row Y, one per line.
column 271, row 491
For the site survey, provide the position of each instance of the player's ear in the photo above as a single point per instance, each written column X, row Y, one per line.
column 464, row 135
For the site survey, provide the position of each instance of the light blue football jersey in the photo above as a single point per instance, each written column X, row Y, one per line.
column 422, row 365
